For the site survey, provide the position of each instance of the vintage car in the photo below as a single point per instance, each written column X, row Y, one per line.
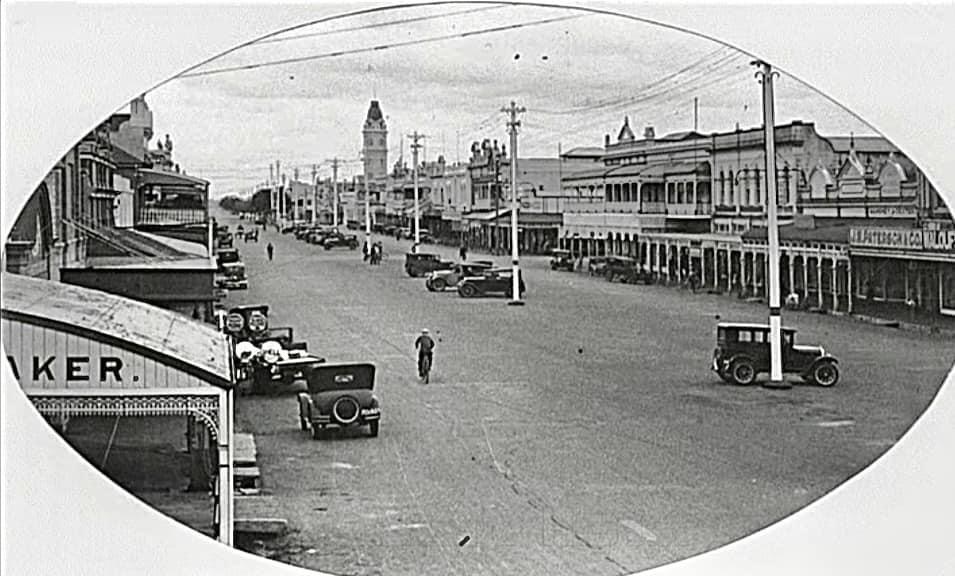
column 595, row 265
column 283, row 373
column 302, row 231
column 339, row 395
column 626, row 270
column 318, row 235
column 284, row 335
column 562, row 260
column 231, row 276
column 424, row 235
column 339, row 240
column 440, row 279
column 226, row 256
column 742, row 353
column 418, row 264
column 492, row 281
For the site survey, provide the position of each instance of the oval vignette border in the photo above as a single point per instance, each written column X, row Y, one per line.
column 107, row 92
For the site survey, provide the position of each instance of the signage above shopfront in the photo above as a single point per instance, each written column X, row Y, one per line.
column 917, row 239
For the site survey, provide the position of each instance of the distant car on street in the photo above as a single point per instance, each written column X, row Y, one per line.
column 339, row 395
column 421, row 264
column 439, row 280
column 318, row 236
column 595, row 265
column 626, row 270
column 339, row 240
column 742, row 353
column 492, row 281
column 561, row 260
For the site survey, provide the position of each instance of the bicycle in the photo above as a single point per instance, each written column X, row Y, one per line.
column 425, row 369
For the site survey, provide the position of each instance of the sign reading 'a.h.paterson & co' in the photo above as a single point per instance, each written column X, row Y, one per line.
column 920, row 239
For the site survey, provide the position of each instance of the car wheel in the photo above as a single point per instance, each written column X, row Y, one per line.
column 743, row 372
column 316, row 432
column 373, row 428
column 467, row 291
column 438, row 284
column 825, row 374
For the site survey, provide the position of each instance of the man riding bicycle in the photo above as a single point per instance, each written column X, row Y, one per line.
column 425, row 346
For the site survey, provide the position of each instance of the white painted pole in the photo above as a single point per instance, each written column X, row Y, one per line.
column 513, row 123
column 775, row 315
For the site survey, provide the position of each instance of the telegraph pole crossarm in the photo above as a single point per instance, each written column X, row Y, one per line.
column 765, row 76
column 513, row 123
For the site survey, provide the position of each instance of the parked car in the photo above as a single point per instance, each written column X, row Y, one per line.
column 231, row 276
column 226, row 256
column 441, row 279
column 424, row 235
column 404, row 233
column 562, row 260
column 595, row 265
column 339, row 395
column 492, row 281
column 626, row 270
column 318, row 236
column 742, row 353
column 419, row 264
column 339, row 240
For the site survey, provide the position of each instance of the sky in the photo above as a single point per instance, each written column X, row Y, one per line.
column 446, row 71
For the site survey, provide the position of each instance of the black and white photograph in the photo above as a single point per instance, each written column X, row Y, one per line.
column 477, row 288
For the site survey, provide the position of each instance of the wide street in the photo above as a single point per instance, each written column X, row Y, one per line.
column 582, row 433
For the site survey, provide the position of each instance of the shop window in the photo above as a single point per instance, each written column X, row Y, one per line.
column 946, row 288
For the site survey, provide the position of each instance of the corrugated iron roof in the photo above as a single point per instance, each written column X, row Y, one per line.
column 173, row 338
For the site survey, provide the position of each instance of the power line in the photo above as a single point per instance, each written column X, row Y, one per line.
column 376, row 25
column 336, row 54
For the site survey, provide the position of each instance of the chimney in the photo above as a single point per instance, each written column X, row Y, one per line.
column 648, row 133
column 606, row 140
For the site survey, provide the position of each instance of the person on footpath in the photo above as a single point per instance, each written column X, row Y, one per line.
column 463, row 252
column 270, row 250
column 366, row 251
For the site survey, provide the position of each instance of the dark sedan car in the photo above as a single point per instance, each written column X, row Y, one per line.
column 742, row 353
column 338, row 240
column 626, row 270
column 495, row 281
column 419, row 264
column 339, row 395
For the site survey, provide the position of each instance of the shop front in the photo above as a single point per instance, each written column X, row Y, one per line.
column 905, row 273
column 81, row 353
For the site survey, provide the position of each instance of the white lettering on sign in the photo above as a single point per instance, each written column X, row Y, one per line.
column 904, row 239
column 70, row 369
column 49, row 358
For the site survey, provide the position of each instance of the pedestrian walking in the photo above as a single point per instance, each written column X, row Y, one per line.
column 366, row 251
column 270, row 250
column 463, row 252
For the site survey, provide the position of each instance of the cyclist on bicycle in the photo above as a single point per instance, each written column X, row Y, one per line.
column 425, row 346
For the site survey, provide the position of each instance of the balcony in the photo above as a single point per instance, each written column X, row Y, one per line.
column 170, row 216
column 689, row 209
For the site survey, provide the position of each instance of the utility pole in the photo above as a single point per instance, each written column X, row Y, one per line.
column 414, row 159
column 314, row 193
column 335, row 193
column 765, row 76
column 367, row 214
column 513, row 110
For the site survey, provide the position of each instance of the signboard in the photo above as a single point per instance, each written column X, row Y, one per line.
column 43, row 357
column 915, row 239
column 258, row 321
column 234, row 322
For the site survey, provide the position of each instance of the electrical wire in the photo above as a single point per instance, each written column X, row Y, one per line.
column 378, row 48
column 375, row 25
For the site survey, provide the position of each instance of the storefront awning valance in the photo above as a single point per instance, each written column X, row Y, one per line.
column 150, row 177
column 149, row 347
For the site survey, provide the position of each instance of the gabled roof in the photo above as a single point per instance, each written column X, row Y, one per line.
column 626, row 134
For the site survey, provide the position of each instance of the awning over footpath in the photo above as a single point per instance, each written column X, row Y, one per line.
column 165, row 337
column 150, row 177
column 818, row 230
